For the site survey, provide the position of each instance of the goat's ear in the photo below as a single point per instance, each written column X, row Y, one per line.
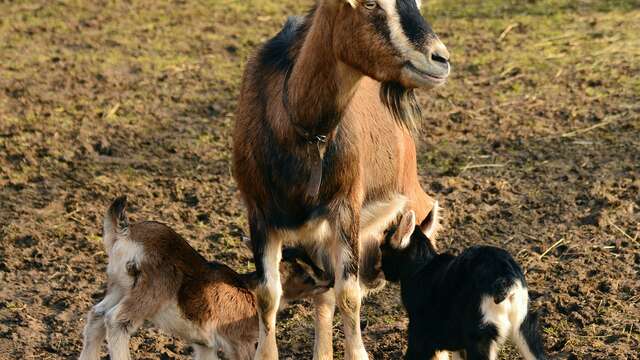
column 402, row 237
column 431, row 224
column 353, row 3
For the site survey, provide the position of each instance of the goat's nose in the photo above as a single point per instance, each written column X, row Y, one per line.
column 438, row 53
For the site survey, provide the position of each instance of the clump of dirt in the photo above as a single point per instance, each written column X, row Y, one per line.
column 532, row 146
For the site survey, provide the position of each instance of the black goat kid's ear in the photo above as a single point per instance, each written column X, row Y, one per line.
column 402, row 236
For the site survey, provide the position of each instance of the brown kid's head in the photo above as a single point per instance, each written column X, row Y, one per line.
column 301, row 278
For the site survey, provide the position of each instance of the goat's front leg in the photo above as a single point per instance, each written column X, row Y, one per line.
column 347, row 285
column 325, row 304
column 267, row 252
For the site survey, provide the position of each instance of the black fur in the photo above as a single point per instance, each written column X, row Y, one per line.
column 500, row 287
column 380, row 24
column 402, row 103
column 413, row 24
column 530, row 330
column 275, row 53
column 258, row 233
column 442, row 294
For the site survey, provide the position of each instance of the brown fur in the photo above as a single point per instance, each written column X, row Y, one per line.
column 369, row 134
column 163, row 270
column 323, row 85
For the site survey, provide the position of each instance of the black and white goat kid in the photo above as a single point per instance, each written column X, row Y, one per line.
column 468, row 303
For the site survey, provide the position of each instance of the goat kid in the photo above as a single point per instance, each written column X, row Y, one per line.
column 467, row 303
column 154, row 274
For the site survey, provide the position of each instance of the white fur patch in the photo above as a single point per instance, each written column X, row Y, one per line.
column 376, row 216
column 123, row 251
column 521, row 304
column 316, row 235
column 312, row 234
column 432, row 231
column 323, row 338
column 348, row 298
column 402, row 236
column 441, row 355
column 507, row 315
column 398, row 37
column 171, row 320
column 271, row 292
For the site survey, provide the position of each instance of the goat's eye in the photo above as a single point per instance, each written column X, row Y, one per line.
column 370, row 5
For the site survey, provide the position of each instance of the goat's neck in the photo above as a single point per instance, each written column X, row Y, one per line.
column 319, row 85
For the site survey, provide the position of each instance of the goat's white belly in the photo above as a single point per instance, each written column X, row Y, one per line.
column 317, row 235
column 172, row 321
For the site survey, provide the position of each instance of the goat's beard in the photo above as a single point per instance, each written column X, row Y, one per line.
column 402, row 103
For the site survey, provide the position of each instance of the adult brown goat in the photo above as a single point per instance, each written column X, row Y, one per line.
column 322, row 150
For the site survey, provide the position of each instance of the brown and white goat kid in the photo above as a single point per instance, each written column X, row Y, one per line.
column 154, row 274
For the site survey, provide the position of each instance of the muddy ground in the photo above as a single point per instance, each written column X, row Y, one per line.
column 532, row 145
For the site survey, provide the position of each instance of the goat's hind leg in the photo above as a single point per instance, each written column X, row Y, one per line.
column 121, row 322
column 486, row 349
column 417, row 347
column 95, row 330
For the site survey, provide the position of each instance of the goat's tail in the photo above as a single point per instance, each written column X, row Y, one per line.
column 116, row 223
column 503, row 287
column 528, row 339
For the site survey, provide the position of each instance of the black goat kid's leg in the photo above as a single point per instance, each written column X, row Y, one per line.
column 417, row 346
column 486, row 349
